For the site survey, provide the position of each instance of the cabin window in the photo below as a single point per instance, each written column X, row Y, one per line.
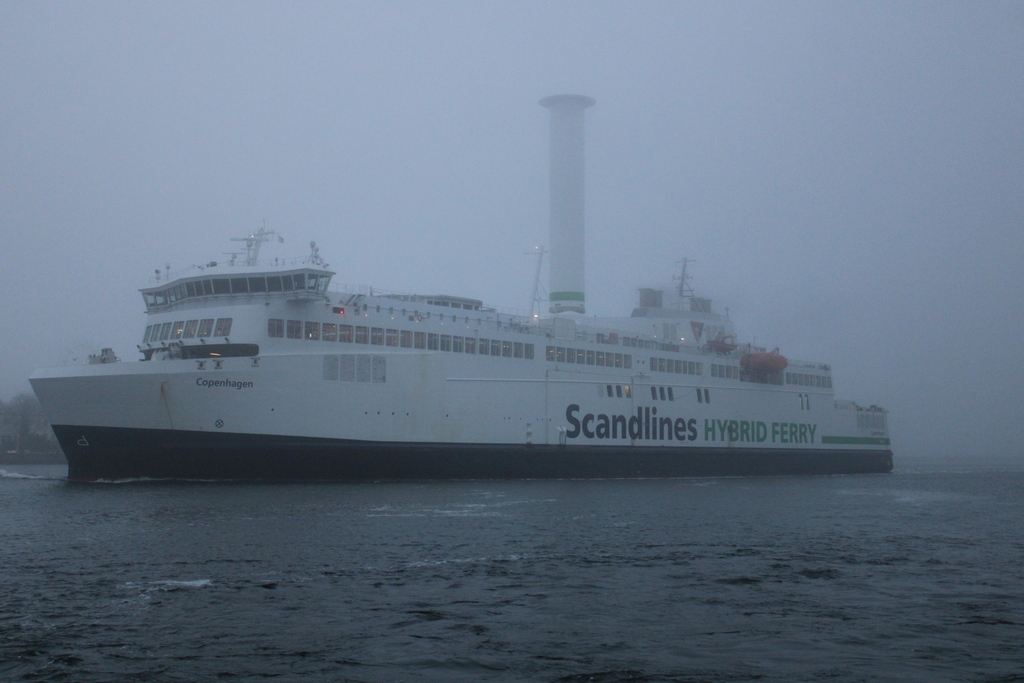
column 485, row 347
column 405, row 339
column 205, row 327
column 517, row 350
column 362, row 334
column 257, row 284
column 275, row 327
column 345, row 333
column 618, row 390
column 700, row 396
column 432, row 341
column 609, row 388
column 629, row 391
column 590, row 358
column 528, row 351
column 661, row 391
column 312, row 331
column 506, row 349
column 457, row 346
column 190, row 329
column 274, row 283
column 329, row 332
column 627, row 360
column 470, row 345
column 495, row 347
column 295, row 329
column 581, row 357
column 618, row 360
column 550, row 353
column 560, row 354
column 391, row 337
column 419, row 340
column 377, row 336
column 179, row 327
column 222, row 328
column 600, row 358
column 446, row 342
column 149, row 331
column 654, row 393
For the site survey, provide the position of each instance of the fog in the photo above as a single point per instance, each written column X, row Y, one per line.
column 848, row 177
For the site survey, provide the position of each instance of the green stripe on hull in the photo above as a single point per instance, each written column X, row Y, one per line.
column 856, row 440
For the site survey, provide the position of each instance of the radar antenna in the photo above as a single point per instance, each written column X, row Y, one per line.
column 253, row 242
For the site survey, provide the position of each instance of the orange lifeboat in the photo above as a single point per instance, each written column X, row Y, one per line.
column 723, row 343
column 763, row 362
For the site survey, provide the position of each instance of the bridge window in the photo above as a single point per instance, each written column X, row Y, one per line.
column 223, row 327
column 239, row 285
column 205, row 327
column 274, row 283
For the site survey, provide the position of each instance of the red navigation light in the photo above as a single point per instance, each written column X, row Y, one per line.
column 339, row 309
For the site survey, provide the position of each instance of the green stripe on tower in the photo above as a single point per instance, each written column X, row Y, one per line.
column 566, row 296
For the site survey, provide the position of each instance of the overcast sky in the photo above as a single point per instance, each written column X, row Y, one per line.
column 848, row 176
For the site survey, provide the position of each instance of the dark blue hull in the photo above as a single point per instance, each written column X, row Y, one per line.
column 119, row 453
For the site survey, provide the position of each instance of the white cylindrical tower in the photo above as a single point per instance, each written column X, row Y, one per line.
column 567, row 195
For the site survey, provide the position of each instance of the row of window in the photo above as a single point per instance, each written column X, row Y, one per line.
column 604, row 359
column 408, row 339
column 804, row 380
column 680, row 367
column 298, row 282
column 726, row 371
column 361, row 368
column 188, row 329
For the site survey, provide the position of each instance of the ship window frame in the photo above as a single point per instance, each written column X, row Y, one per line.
column 221, row 285
column 390, row 337
column 362, row 334
column 205, row 328
column 433, row 341
column 528, row 351
column 419, row 340
column 311, row 331
column 299, row 280
column 273, row 283
column 346, row 334
column 260, row 283
column 275, row 327
column 377, row 336
column 446, row 342
column 190, row 290
column 517, row 349
column 190, row 329
column 239, row 285
column 222, row 328
column 458, row 345
column 470, row 345
column 405, row 339
column 484, row 347
column 329, row 332
column 293, row 329
column 495, row 347
column 654, row 393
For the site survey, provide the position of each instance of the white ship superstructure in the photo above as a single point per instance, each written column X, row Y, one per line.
column 258, row 369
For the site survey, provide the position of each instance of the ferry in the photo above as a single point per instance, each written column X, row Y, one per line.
column 264, row 369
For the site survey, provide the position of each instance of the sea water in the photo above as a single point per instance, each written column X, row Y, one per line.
column 916, row 575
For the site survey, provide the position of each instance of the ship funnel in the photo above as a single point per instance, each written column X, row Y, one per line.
column 567, row 224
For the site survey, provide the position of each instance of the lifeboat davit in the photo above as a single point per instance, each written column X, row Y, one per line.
column 763, row 362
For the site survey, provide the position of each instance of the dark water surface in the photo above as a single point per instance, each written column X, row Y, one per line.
column 917, row 575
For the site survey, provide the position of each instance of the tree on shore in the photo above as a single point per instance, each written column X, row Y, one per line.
column 23, row 427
